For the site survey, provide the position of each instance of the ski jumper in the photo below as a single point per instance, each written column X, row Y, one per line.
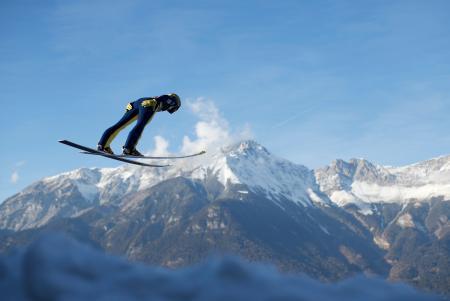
column 141, row 110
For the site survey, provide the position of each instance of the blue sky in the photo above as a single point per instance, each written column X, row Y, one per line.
column 314, row 80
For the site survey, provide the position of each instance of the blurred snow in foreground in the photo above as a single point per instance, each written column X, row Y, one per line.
column 57, row 268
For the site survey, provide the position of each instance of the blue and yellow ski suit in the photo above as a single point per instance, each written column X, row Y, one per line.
column 141, row 110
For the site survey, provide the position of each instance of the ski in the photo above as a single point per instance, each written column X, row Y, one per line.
column 114, row 157
column 150, row 157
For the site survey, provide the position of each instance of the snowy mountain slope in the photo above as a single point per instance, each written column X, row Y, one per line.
column 71, row 193
column 361, row 182
column 178, row 222
column 246, row 163
column 251, row 164
column 406, row 209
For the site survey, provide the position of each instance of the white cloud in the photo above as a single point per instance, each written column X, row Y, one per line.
column 161, row 146
column 15, row 177
column 15, row 174
column 212, row 131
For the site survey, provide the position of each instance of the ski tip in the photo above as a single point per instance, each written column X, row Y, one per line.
column 202, row 152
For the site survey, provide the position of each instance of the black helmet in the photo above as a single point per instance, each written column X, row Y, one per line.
column 174, row 103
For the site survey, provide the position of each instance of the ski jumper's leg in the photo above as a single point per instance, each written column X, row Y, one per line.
column 146, row 113
column 130, row 115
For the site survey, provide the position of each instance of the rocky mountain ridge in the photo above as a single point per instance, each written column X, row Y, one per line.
column 330, row 223
column 70, row 193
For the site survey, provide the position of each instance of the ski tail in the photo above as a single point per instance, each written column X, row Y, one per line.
column 114, row 157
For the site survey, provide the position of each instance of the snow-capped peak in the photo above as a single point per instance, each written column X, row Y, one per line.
column 251, row 164
column 246, row 148
column 361, row 182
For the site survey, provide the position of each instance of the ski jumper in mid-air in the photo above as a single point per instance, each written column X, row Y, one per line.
column 143, row 111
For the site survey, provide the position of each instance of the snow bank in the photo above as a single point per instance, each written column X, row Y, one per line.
column 56, row 268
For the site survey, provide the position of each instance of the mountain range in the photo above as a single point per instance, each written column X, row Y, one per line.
column 330, row 223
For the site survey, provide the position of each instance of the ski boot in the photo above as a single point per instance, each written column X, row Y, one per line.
column 106, row 149
column 133, row 152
